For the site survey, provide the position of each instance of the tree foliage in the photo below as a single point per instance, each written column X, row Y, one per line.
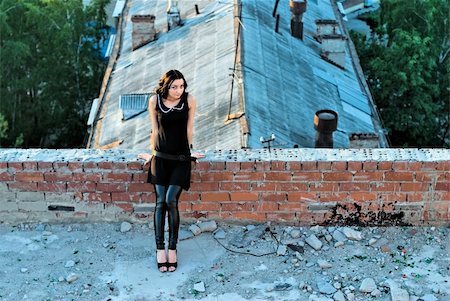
column 50, row 70
column 408, row 68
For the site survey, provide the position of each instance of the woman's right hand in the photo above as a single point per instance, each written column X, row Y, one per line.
column 146, row 157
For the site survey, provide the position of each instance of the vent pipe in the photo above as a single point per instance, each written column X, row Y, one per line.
column 173, row 14
column 325, row 123
column 298, row 8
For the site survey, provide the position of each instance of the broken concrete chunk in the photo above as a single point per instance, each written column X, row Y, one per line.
column 314, row 242
column 397, row 293
column 351, row 233
column 195, row 229
column 207, row 226
column 199, row 287
column 125, row 227
column 367, row 285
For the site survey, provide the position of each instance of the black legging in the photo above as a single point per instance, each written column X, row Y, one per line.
column 167, row 201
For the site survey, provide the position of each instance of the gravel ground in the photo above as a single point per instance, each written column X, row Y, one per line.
column 233, row 262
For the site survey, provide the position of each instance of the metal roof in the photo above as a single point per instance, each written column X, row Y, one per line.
column 202, row 49
column 286, row 81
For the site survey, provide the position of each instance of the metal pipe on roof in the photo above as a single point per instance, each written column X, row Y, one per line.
column 325, row 123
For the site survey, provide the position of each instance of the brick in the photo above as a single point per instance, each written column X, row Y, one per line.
column 112, row 187
column 134, row 166
column 22, row 186
column 52, row 187
column 248, row 166
column 248, row 216
column 143, row 208
column 87, row 166
column 320, row 206
column 354, row 186
column 52, row 197
column 392, row 197
column 425, row 176
column 309, row 166
column 444, row 186
column 230, row 186
column 141, row 187
column 297, row 206
column 201, row 166
column 105, row 165
column 263, row 186
column 6, row 176
column 266, row 206
column 384, row 165
column 3, row 165
column 185, row 206
column 281, row 216
column 219, row 166
column 400, row 166
column 139, row 177
column 398, row 176
column 362, row 196
column 262, row 166
column 239, row 206
column 300, row 196
column 368, row 176
column 294, row 166
column 323, row 186
column 307, row 176
column 277, row 165
column 216, row 176
column 15, row 166
column 429, row 165
column 443, row 165
column 102, row 197
column 30, row 165
column 57, row 177
column 117, row 177
column 273, row 196
column 215, row 196
column 81, row 187
column 278, row 176
column 249, row 176
column 332, row 197
column 189, row 196
column 233, row 166
column 337, row 176
column 339, row 166
column 125, row 197
column 384, row 186
column 9, row 205
column 75, row 166
column 210, row 186
column 415, row 166
column 45, row 166
column 149, row 197
column 29, row 176
column 206, row 206
column 243, row 196
column 85, row 177
column 324, row 165
column 290, row 186
column 354, row 166
column 119, row 166
column 409, row 186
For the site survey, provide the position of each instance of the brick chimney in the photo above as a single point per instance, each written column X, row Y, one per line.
column 298, row 8
column 326, row 27
column 143, row 30
column 333, row 49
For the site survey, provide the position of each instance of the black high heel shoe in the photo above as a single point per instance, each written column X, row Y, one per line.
column 161, row 264
column 172, row 264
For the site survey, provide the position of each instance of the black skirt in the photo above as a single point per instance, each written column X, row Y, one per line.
column 170, row 172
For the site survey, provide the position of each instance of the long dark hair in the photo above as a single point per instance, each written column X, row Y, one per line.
column 166, row 80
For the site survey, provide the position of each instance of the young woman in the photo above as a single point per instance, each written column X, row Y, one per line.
column 172, row 112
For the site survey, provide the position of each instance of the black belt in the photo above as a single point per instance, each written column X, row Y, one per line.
column 182, row 158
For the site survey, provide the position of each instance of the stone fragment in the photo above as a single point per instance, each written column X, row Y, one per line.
column 376, row 293
column 338, row 235
column 323, row 264
column 195, row 229
column 325, row 288
column 429, row 297
column 367, row 285
column 295, row 233
column 339, row 296
column 69, row 264
column 314, row 242
column 281, row 251
column 397, row 293
column 207, row 226
column 199, row 287
column 351, row 233
column 125, row 227
column 71, row 278
column 23, row 270
column 283, row 287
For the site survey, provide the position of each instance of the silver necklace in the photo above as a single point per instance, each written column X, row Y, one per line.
column 170, row 109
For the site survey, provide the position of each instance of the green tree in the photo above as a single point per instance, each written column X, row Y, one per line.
column 49, row 70
column 407, row 67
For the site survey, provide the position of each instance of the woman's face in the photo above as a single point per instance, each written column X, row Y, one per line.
column 176, row 89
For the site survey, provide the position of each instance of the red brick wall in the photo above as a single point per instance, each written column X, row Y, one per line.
column 309, row 192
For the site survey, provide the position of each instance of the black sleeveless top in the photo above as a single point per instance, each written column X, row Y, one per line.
column 172, row 127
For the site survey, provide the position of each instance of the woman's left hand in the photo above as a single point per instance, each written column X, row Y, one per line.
column 197, row 155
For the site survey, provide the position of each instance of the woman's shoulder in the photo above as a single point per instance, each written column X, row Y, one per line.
column 190, row 98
